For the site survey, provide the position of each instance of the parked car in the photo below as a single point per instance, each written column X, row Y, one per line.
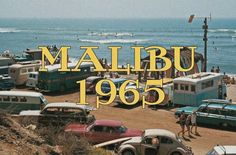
column 91, row 83
column 130, row 96
column 61, row 113
column 102, row 130
column 6, row 82
column 169, row 144
column 213, row 112
column 118, row 82
column 223, row 150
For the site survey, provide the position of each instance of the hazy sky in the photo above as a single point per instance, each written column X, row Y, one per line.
column 115, row 8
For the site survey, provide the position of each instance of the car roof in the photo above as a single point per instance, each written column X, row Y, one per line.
column 20, row 93
column 228, row 149
column 118, row 80
column 94, row 78
column 55, row 67
column 68, row 105
column 159, row 132
column 112, row 123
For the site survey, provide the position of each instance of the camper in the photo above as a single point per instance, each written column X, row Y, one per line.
column 32, row 80
column 53, row 80
column 191, row 90
column 16, row 101
column 20, row 71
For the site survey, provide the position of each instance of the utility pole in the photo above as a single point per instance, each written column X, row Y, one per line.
column 205, row 39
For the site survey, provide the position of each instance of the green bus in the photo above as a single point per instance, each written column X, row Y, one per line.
column 54, row 80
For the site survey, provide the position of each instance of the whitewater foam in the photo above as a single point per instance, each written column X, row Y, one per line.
column 107, row 41
column 8, row 30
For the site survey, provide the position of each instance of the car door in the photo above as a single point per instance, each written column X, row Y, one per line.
column 147, row 148
column 95, row 134
column 166, row 144
column 202, row 114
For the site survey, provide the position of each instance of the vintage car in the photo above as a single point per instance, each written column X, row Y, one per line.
column 213, row 112
column 118, row 82
column 61, row 113
column 102, row 130
column 168, row 144
column 130, row 96
column 91, row 83
column 223, row 150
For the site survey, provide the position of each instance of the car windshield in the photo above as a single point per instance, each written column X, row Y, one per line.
column 212, row 152
column 122, row 129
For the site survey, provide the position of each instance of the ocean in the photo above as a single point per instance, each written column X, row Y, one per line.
column 18, row 34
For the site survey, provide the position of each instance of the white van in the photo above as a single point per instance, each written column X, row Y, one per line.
column 20, row 71
column 16, row 101
column 32, row 80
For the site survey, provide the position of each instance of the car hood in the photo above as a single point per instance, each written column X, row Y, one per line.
column 133, row 140
column 30, row 113
column 77, row 128
column 187, row 109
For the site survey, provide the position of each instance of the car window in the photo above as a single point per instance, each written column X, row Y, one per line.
column 121, row 129
column 97, row 128
column 165, row 140
column 213, row 111
column 51, row 110
column 202, row 109
column 108, row 129
column 212, row 152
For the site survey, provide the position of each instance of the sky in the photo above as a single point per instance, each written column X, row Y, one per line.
column 116, row 8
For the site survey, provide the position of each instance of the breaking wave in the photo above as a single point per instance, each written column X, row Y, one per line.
column 107, row 41
column 111, row 34
column 222, row 30
column 9, row 30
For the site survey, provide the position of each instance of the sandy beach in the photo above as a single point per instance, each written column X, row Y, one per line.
column 139, row 118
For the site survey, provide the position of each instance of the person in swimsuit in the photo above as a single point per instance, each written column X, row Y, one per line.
column 182, row 120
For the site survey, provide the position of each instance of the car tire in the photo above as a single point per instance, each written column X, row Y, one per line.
column 127, row 152
column 176, row 153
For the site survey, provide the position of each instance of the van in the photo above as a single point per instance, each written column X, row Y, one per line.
column 20, row 71
column 15, row 101
column 32, row 80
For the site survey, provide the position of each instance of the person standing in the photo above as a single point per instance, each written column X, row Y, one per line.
column 188, row 123
column 213, row 69
column 194, row 122
column 218, row 69
column 182, row 120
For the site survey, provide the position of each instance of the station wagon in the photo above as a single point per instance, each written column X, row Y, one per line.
column 61, row 113
column 213, row 112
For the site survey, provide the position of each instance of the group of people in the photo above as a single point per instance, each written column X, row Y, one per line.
column 188, row 121
column 215, row 70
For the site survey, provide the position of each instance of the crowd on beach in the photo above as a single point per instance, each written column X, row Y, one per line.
column 227, row 79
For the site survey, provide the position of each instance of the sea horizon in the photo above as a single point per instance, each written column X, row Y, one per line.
column 19, row 34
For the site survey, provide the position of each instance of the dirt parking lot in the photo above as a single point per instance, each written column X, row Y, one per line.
column 163, row 118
